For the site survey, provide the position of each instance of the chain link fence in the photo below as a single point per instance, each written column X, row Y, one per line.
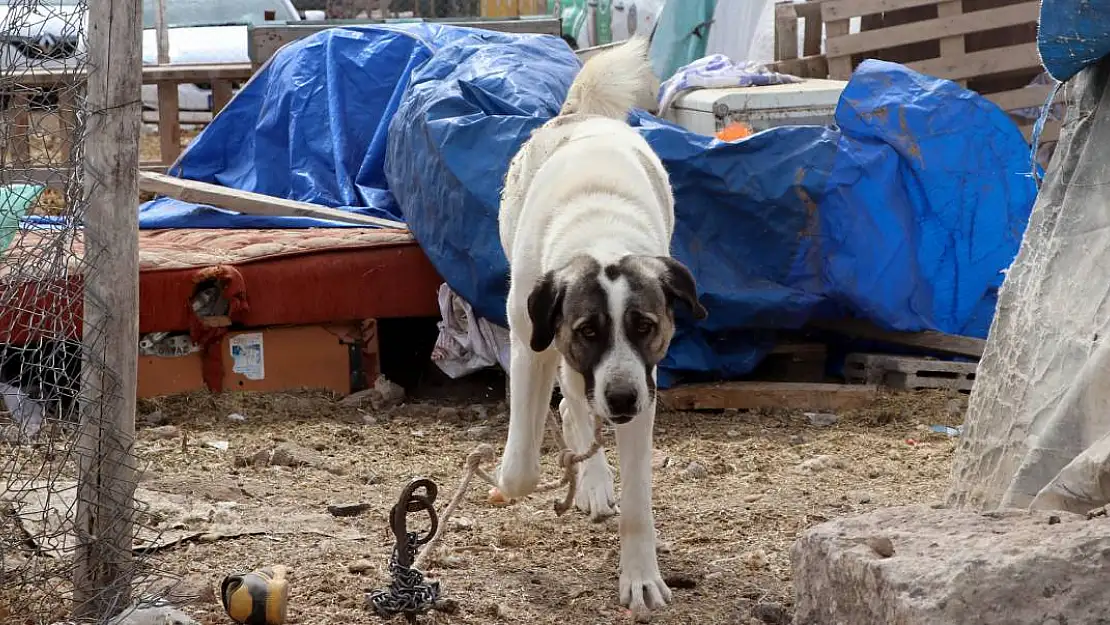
column 52, row 435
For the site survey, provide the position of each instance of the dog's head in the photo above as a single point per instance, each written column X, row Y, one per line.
column 612, row 324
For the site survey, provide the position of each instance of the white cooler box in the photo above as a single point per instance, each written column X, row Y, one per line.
column 706, row 111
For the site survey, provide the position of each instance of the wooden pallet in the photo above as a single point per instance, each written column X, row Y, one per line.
column 910, row 373
column 988, row 46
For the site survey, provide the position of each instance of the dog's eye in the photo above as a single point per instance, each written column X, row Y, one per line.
column 587, row 331
column 644, row 326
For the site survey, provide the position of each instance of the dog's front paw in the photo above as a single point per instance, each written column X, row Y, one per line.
column 642, row 588
column 595, row 494
column 516, row 479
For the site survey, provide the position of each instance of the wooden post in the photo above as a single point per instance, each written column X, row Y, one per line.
column 169, row 126
column 106, row 468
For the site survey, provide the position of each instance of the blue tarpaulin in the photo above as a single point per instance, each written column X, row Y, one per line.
column 905, row 213
column 1072, row 34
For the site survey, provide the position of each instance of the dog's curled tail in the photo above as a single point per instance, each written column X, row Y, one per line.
column 612, row 82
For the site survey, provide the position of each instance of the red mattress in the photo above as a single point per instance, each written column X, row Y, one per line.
column 278, row 277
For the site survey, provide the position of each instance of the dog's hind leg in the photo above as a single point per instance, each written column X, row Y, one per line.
column 595, row 495
column 531, row 380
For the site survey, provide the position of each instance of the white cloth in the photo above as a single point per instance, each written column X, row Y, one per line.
column 467, row 343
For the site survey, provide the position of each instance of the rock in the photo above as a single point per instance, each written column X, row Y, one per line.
column 357, row 399
column 163, row 615
column 817, row 464
column 165, row 432
column 696, row 471
column 659, row 459
column 287, row 455
column 478, row 432
column 359, row 567
column 235, row 417
column 448, row 414
column 390, row 393
column 153, row 418
column 461, row 523
column 369, row 420
column 753, row 497
column 189, row 590
column 480, row 412
column 681, row 581
column 348, row 509
column 882, row 546
column 859, row 496
column 952, row 567
column 219, row 445
column 770, row 612
column 821, row 419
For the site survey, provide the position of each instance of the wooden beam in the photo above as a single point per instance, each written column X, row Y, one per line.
column 103, row 561
column 937, row 342
column 1026, row 97
column 250, row 203
column 756, row 395
column 221, row 95
column 845, row 9
column 840, row 67
column 946, row 26
column 952, row 45
column 984, row 63
column 151, row 74
column 786, row 31
column 264, row 40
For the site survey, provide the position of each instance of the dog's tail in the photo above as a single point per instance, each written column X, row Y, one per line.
column 614, row 81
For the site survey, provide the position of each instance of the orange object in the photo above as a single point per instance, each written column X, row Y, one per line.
column 279, row 358
column 735, row 131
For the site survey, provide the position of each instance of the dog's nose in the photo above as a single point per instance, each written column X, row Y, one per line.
column 622, row 404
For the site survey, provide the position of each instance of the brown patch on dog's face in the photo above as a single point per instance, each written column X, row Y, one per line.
column 612, row 324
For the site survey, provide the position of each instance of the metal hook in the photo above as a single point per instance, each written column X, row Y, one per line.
column 411, row 501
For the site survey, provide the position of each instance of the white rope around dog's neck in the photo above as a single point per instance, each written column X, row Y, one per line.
column 568, row 461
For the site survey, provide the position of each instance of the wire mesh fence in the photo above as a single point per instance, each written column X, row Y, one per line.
column 53, row 438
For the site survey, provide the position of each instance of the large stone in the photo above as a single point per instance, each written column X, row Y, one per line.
column 917, row 565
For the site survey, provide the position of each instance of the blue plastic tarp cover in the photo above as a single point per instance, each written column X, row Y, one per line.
column 1072, row 34
column 311, row 125
column 904, row 213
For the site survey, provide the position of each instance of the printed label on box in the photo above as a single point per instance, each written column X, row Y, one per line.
column 247, row 356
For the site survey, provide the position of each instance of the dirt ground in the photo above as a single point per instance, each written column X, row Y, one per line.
column 725, row 531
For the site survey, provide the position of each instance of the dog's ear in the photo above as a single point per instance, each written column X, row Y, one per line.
column 545, row 309
column 678, row 284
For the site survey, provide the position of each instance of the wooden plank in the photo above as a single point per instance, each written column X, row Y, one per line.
column 1028, row 97
column 840, row 67
column 813, row 35
column 266, row 39
column 17, row 133
column 756, row 395
column 845, row 9
column 975, row 64
column 250, row 203
column 1050, row 132
column 151, row 74
column 55, row 177
column 952, row 46
column 786, row 31
column 169, row 126
column 956, row 24
column 807, row 67
column 221, row 95
column 937, row 342
column 67, row 116
column 103, row 564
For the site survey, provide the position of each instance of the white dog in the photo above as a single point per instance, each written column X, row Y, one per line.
column 586, row 220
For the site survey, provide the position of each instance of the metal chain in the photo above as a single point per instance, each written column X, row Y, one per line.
column 408, row 594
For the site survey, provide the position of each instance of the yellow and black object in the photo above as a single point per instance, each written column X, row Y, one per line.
column 257, row 598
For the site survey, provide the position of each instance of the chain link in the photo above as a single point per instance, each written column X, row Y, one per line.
column 409, row 594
